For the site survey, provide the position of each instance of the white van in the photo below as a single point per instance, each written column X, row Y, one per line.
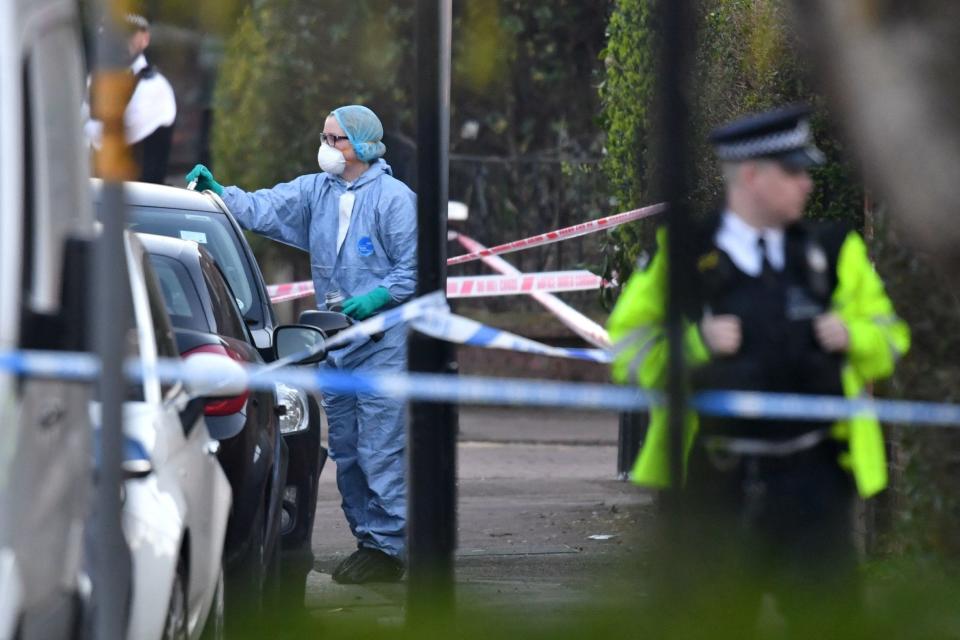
column 45, row 222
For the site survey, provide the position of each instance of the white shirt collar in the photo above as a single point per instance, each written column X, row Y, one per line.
column 739, row 241
column 139, row 64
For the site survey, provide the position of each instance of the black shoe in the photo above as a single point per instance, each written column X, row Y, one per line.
column 345, row 564
column 371, row 565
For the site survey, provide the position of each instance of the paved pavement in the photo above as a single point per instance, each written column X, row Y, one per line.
column 539, row 426
column 534, row 486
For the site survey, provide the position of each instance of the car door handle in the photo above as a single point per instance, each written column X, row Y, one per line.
column 212, row 447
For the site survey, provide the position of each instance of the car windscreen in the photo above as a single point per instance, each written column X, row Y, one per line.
column 179, row 294
column 212, row 231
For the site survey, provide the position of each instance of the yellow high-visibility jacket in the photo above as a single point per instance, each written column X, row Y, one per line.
column 878, row 338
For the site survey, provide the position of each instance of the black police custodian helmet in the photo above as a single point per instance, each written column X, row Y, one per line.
column 782, row 135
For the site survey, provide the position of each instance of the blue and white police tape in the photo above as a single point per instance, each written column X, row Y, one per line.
column 377, row 324
column 442, row 324
column 389, row 318
column 795, row 406
column 467, row 389
column 431, row 315
column 501, row 391
column 408, row 386
column 55, row 365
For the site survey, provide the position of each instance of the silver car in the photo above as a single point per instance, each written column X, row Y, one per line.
column 177, row 501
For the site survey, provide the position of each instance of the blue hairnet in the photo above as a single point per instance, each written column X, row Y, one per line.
column 364, row 130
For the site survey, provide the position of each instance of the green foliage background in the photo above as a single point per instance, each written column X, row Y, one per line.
column 288, row 64
column 920, row 518
column 524, row 71
column 746, row 62
column 524, row 77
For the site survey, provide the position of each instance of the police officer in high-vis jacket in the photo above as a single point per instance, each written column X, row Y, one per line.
column 784, row 305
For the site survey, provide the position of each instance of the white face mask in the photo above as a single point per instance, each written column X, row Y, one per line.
column 331, row 160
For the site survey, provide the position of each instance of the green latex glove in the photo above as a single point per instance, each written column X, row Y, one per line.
column 362, row 307
column 204, row 180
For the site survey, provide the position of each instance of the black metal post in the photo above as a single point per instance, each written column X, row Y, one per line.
column 110, row 92
column 677, row 28
column 431, row 439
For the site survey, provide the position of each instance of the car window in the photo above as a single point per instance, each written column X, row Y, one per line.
column 131, row 351
column 225, row 312
column 162, row 329
column 215, row 234
column 180, row 295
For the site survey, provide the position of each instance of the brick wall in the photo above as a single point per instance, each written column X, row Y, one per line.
column 536, row 325
column 508, row 364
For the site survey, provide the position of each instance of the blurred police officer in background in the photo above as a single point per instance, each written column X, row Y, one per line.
column 779, row 304
column 150, row 115
column 359, row 225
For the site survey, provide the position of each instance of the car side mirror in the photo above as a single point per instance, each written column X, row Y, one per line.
column 330, row 322
column 136, row 460
column 301, row 343
column 210, row 375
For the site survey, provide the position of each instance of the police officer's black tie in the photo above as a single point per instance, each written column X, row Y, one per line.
column 767, row 273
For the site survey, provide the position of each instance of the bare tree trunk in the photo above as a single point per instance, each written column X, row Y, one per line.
column 890, row 80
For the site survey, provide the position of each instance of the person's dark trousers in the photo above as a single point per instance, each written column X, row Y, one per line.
column 771, row 525
column 153, row 153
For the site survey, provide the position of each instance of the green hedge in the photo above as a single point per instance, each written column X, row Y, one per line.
column 745, row 62
column 524, row 137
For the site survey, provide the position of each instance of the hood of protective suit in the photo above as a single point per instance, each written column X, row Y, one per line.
column 377, row 168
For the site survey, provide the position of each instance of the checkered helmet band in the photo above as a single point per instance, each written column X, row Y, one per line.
column 780, row 142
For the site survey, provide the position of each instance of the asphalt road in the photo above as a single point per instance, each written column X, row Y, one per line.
column 534, row 486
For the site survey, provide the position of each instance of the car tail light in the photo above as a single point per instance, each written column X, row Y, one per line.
column 222, row 406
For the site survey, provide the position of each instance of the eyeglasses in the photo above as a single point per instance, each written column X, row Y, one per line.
column 332, row 139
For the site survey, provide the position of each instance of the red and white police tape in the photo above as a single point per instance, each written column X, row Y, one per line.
column 573, row 319
column 549, row 281
column 477, row 286
column 290, row 291
column 566, row 233
column 540, row 286
column 465, row 287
